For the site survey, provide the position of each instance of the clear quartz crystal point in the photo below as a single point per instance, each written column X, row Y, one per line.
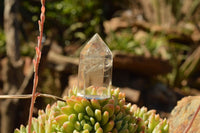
column 95, row 69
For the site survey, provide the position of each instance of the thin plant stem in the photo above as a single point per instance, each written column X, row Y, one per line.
column 190, row 125
column 36, row 63
column 27, row 96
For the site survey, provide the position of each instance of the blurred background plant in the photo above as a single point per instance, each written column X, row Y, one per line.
column 73, row 20
column 143, row 44
column 157, row 40
column 2, row 44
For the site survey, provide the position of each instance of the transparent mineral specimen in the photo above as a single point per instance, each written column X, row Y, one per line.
column 95, row 69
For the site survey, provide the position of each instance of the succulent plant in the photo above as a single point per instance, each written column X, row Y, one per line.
column 81, row 115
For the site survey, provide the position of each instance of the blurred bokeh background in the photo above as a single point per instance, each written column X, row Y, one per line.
column 155, row 43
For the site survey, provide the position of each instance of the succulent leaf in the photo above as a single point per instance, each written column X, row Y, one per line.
column 99, row 130
column 105, row 118
column 95, row 104
column 109, row 108
column 97, row 114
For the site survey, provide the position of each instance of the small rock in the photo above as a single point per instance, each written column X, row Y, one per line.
column 114, row 24
column 131, row 94
column 140, row 36
column 183, row 113
column 56, row 48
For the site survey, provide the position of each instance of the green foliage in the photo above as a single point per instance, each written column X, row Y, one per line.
column 81, row 18
column 2, row 43
column 27, row 49
column 183, row 59
column 80, row 115
column 74, row 20
column 143, row 44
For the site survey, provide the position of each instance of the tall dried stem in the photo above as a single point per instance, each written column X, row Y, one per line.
column 36, row 63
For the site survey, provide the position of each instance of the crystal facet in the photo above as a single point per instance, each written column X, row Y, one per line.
column 95, row 69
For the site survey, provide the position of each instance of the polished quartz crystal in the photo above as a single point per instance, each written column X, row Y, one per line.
column 95, row 69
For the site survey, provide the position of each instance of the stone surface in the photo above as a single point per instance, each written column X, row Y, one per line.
column 132, row 95
column 114, row 24
column 182, row 115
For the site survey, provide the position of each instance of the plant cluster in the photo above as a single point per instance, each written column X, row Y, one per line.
column 81, row 115
column 144, row 44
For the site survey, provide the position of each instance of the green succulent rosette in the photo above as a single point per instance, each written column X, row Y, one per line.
column 81, row 115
